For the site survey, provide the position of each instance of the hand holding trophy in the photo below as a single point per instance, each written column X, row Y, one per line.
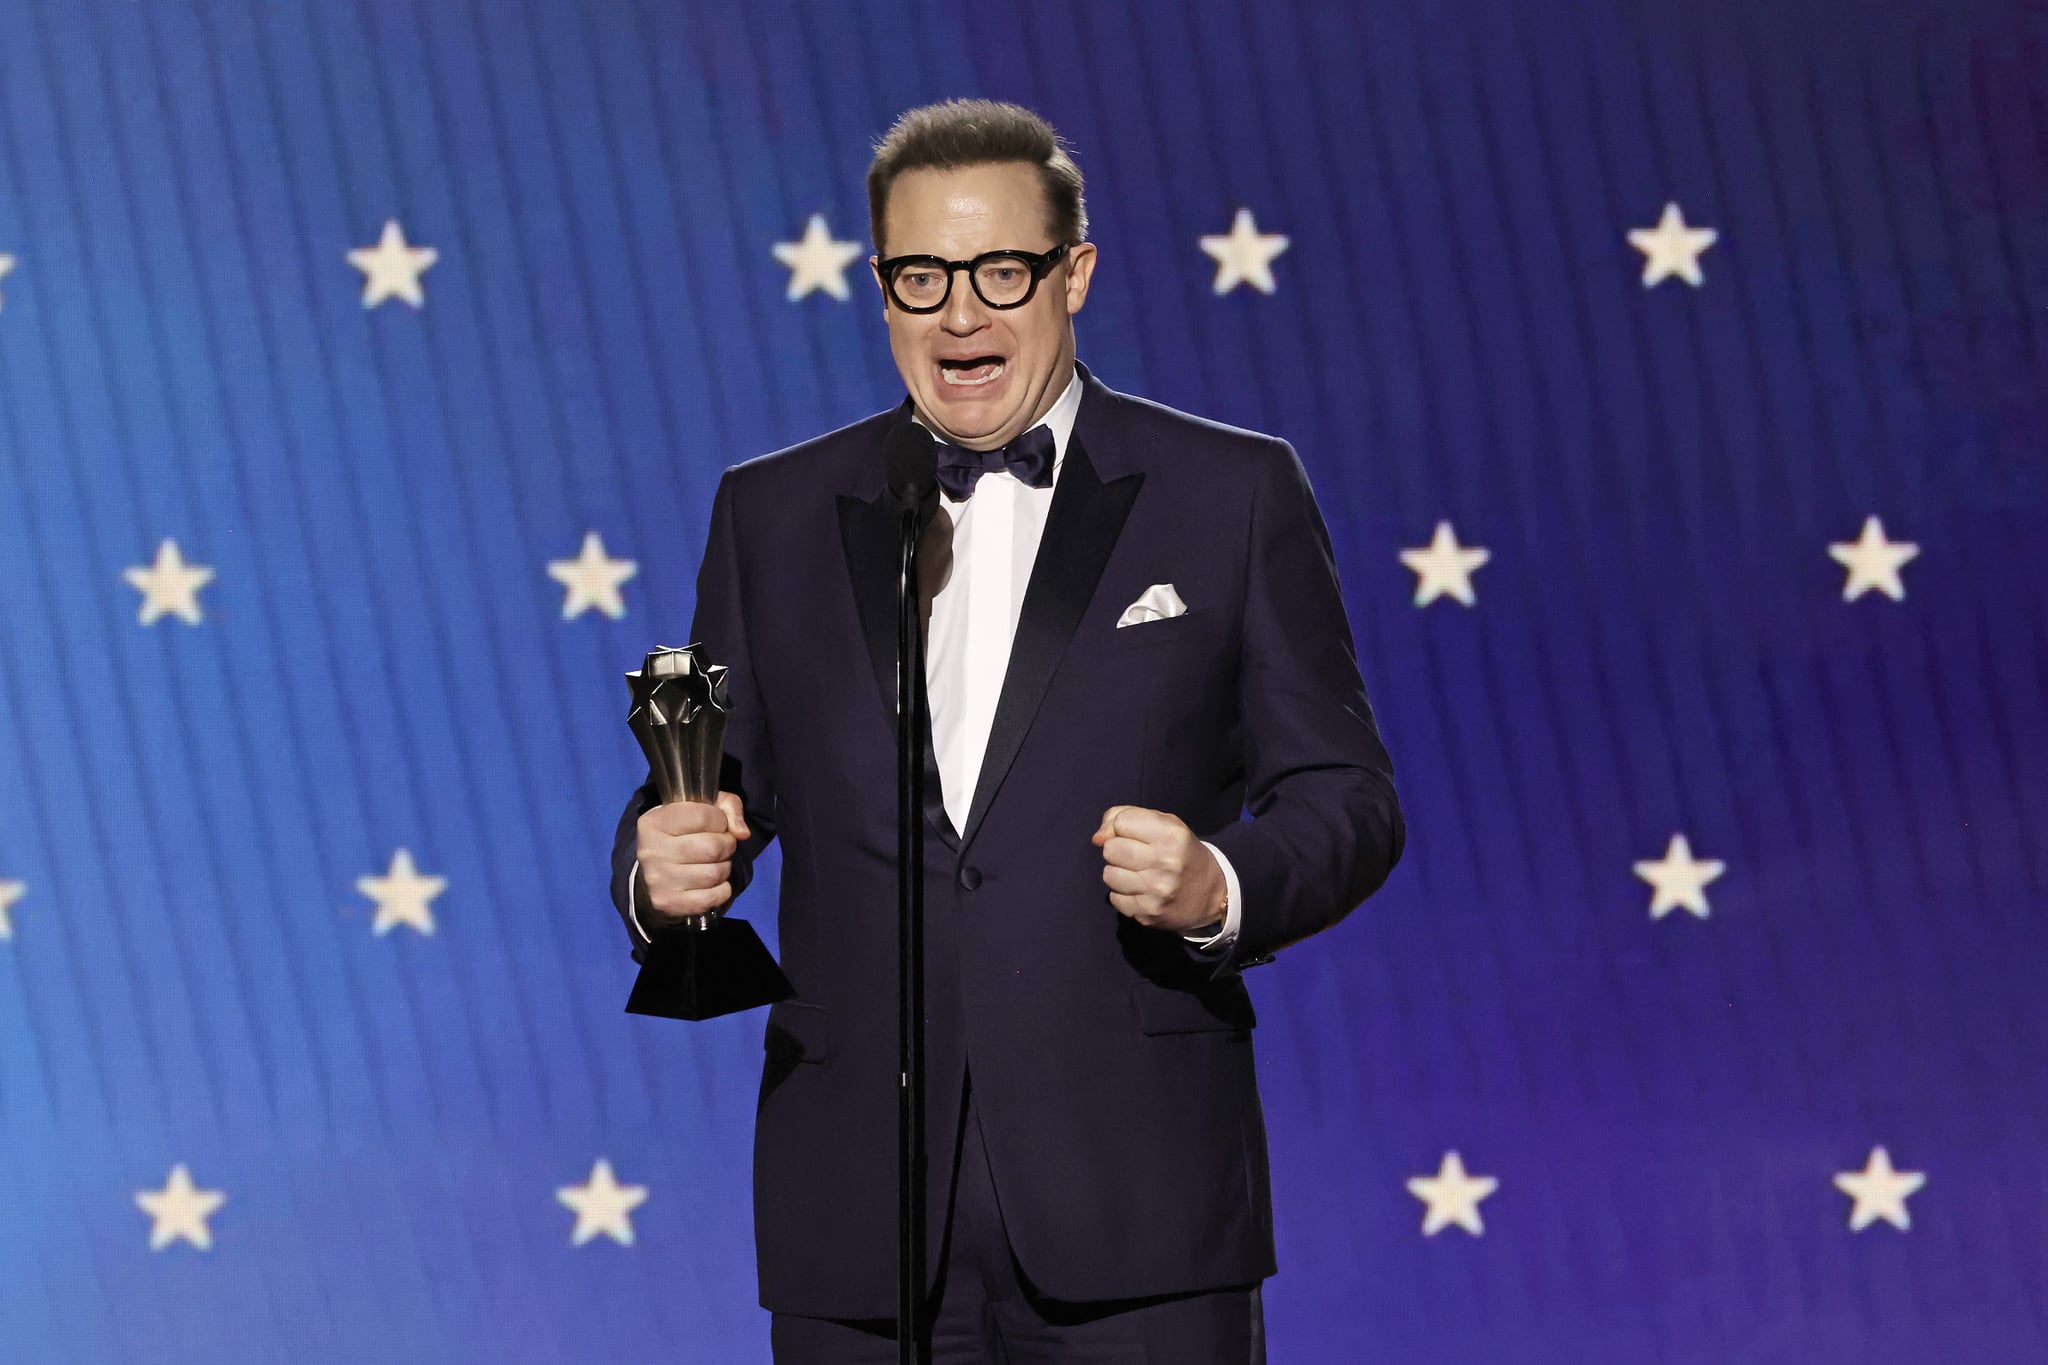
column 708, row 964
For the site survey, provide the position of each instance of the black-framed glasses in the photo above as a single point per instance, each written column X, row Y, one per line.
column 1001, row 279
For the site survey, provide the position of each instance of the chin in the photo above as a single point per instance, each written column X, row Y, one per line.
column 972, row 418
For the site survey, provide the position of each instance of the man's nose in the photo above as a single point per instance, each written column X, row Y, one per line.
column 965, row 312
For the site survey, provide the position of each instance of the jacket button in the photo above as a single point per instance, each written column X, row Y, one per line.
column 970, row 878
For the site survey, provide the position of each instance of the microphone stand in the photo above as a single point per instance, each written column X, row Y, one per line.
column 912, row 1344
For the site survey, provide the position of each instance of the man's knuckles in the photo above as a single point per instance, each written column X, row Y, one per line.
column 704, row 848
column 684, row 817
column 680, row 898
column 1124, row 851
column 699, row 847
column 1159, row 879
column 690, row 876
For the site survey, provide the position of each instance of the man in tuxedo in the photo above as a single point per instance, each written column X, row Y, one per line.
column 1153, row 764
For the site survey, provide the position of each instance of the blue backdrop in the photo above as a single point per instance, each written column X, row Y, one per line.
column 1716, row 955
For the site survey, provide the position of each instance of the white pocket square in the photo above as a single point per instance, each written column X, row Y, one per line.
column 1156, row 603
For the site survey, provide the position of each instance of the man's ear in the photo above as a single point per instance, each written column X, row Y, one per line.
column 1080, row 270
column 875, row 269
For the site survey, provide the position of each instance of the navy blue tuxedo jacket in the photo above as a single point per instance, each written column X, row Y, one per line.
column 1112, row 1065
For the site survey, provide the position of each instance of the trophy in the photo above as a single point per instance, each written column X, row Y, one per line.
column 709, row 964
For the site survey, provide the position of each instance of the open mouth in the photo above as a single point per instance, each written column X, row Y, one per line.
column 971, row 373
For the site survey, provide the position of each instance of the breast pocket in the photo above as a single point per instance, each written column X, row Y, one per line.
column 1187, row 628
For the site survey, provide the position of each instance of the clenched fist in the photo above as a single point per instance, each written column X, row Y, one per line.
column 686, row 855
column 1157, row 871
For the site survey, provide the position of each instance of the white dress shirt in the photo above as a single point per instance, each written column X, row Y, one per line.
column 994, row 538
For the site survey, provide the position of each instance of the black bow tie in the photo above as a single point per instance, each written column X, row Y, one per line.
column 1029, row 457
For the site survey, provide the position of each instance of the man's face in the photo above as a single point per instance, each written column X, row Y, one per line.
column 981, row 375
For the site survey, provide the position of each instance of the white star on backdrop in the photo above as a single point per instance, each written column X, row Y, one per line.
column 1452, row 1196
column 1444, row 567
column 169, row 586
column 592, row 580
column 1672, row 248
column 1681, row 881
column 10, row 892
column 602, row 1206
column 179, row 1210
column 1879, row 1192
column 1873, row 562
column 6, row 269
column 1244, row 255
column 402, row 895
column 816, row 261
column 391, row 269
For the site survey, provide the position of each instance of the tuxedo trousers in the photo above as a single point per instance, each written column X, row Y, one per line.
column 988, row 1313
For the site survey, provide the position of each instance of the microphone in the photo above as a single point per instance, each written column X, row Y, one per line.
column 912, row 459
column 913, row 464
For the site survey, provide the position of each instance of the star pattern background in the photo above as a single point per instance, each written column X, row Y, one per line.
column 1762, row 566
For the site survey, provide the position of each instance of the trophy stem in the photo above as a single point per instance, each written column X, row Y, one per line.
column 709, row 964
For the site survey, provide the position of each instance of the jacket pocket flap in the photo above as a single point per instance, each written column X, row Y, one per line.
column 798, row 1029
column 1219, row 1007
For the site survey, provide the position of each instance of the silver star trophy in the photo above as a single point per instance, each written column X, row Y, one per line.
column 708, row 964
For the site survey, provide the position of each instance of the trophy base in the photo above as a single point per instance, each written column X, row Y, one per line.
column 703, row 973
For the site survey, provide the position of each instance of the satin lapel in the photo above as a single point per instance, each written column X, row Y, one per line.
column 1081, row 528
column 867, row 532
column 935, row 793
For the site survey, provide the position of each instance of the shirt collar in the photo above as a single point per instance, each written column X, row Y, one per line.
column 1059, row 419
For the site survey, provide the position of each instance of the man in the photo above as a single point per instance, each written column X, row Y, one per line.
column 1135, row 637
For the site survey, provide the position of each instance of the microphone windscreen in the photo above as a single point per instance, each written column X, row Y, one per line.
column 912, row 459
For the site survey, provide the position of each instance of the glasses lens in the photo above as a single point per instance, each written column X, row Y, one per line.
column 919, row 284
column 1003, row 280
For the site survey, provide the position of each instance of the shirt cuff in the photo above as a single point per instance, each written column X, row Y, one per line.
column 1233, row 914
column 633, row 905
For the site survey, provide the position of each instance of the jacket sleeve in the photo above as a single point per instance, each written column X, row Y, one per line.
column 719, row 627
column 1325, row 827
